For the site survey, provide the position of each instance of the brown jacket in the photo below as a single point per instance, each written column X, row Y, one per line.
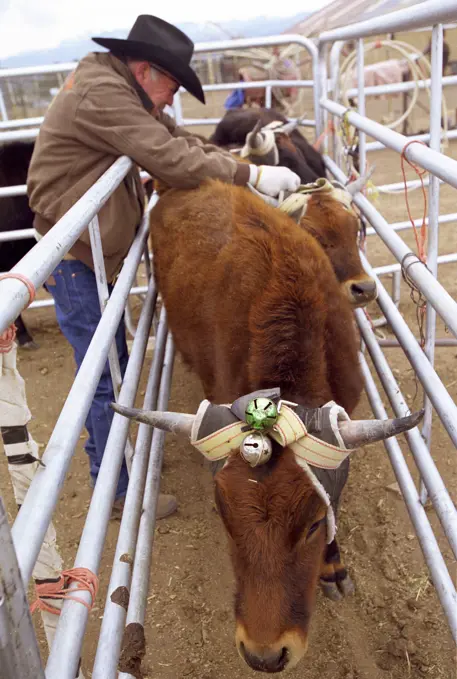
column 100, row 114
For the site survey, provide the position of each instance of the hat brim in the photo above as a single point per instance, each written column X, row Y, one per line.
column 178, row 69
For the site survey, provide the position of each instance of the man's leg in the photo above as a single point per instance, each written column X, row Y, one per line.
column 73, row 286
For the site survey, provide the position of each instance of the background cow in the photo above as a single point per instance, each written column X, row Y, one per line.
column 295, row 152
column 15, row 214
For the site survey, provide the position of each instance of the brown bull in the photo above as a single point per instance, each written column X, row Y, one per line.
column 263, row 260
column 335, row 226
column 253, row 302
column 338, row 225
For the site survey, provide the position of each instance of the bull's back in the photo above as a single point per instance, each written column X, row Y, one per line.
column 245, row 290
column 201, row 261
column 192, row 235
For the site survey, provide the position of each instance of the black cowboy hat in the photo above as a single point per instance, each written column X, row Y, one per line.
column 162, row 44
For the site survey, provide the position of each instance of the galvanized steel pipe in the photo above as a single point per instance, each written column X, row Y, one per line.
column 73, row 618
column 421, row 16
column 109, row 643
column 439, row 495
column 433, row 386
column 433, row 161
column 30, row 526
column 142, row 565
column 39, row 263
column 19, row 652
column 441, row 300
column 444, row 586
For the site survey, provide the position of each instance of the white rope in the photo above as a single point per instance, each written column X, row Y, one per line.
column 406, row 51
column 265, row 144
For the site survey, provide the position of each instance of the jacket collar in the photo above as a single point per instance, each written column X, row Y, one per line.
column 119, row 65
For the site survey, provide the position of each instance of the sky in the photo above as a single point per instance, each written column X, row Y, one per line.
column 27, row 25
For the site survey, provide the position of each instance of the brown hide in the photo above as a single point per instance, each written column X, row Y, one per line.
column 253, row 302
column 251, row 297
column 336, row 227
column 277, row 540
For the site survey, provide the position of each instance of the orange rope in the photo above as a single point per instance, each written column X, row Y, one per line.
column 7, row 338
column 330, row 128
column 29, row 285
column 370, row 320
column 422, row 239
column 87, row 582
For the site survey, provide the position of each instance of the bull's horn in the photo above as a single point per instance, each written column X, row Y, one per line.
column 289, row 127
column 357, row 433
column 178, row 423
column 359, row 184
column 254, row 138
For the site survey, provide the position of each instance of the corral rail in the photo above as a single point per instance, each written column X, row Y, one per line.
column 135, row 537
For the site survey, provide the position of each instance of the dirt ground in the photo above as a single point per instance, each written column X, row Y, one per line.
column 392, row 628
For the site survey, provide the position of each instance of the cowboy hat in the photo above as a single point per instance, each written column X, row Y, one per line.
column 162, row 44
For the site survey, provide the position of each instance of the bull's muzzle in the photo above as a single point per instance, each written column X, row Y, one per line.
column 265, row 660
column 282, row 655
column 360, row 292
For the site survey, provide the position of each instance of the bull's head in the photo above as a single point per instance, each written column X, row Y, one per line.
column 329, row 217
column 260, row 146
column 271, row 144
column 275, row 517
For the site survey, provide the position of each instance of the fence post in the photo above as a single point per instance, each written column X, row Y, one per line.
column 19, row 653
column 3, row 111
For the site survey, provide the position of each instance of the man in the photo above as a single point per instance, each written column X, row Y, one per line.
column 112, row 105
column 446, row 52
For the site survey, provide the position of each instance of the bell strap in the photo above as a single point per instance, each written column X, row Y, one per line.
column 288, row 431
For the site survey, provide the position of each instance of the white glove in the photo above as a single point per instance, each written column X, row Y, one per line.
column 271, row 180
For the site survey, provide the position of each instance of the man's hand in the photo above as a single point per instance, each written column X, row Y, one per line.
column 271, row 180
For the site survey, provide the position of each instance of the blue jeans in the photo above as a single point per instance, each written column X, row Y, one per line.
column 78, row 313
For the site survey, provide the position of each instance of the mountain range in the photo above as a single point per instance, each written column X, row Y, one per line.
column 73, row 50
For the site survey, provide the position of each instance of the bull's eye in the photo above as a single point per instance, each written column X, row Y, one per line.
column 314, row 527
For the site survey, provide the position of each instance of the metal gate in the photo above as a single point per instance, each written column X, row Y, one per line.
column 137, row 526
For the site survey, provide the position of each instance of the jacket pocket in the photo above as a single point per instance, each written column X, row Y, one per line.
column 57, row 287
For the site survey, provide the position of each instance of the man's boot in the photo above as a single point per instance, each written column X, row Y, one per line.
column 166, row 506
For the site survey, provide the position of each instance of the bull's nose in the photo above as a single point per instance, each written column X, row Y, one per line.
column 363, row 290
column 266, row 660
